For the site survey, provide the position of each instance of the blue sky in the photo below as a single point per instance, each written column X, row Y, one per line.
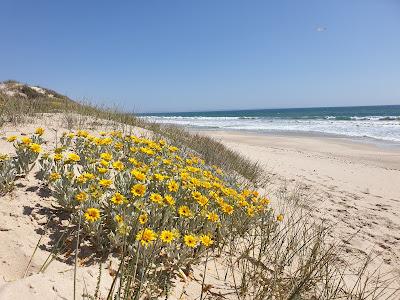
column 206, row 55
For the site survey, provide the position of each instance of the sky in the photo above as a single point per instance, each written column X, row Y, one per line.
column 188, row 55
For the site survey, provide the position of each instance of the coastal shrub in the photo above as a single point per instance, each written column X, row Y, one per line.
column 159, row 206
column 7, row 174
column 27, row 150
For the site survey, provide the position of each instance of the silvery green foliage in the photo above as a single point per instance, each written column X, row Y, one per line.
column 7, row 174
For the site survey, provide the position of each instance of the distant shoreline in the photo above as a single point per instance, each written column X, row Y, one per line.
column 299, row 134
column 376, row 123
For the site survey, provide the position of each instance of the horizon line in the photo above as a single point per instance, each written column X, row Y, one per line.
column 255, row 109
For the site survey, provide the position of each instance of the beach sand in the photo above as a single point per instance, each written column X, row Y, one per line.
column 353, row 185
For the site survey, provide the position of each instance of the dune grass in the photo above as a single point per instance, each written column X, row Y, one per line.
column 16, row 110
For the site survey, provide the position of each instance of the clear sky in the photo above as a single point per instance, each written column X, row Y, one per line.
column 188, row 55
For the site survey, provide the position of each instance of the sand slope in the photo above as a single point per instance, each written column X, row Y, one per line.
column 355, row 186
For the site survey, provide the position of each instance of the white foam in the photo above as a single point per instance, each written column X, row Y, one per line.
column 377, row 127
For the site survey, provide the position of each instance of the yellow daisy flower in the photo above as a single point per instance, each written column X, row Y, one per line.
column 156, row 198
column 184, row 211
column 206, row 240
column 39, row 131
column 118, row 165
column 138, row 190
column 54, row 176
column 11, row 138
column 173, row 186
column 73, row 157
column 190, row 240
column 146, row 237
column 106, row 156
column 82, row 196
column 92, row 214
column 105, row 182
column 118, row 198
column 143, row 218
column 167, row 236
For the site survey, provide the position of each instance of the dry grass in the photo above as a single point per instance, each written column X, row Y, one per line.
column 18, row 110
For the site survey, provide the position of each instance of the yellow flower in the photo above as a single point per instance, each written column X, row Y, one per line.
column 169, row 199
column 158, row 177
column 173, row 186
column 73, row 157
column 35, row 147
column 203, row 200
column 184, row 211
column 146, row 236
column 143, row 218
column 118, row 219
column 279, row 218
column 190, row 240
column 243, row 203
column 39, row 131
column 167, row 236
column 133, row 161
column 105, row 182
column 82, row 196
column 251, row 211
column 57, row 156
column 92, row 214
column 118, row 165
column 138, row 175
column 26, row 140
column 104, row 163
column 118, row 146
column 138, row 190
column 102, row 170
column 147, row 151
column 118, row 198
column 11, row 138
column 226, row 208
column 167, row 162
column 82, row 133
column 54, row 176
column 156, row 198
column 265, row 201
column 196, row 195
column 206, row 240
column 88, row 176
column 213, row 217
column 106, row 141
column 106, row 156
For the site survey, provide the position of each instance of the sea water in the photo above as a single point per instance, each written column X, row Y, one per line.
column 375, row 122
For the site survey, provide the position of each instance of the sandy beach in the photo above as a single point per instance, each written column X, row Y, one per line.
column 353, row 185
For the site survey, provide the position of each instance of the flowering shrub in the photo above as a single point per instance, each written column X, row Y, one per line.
column 27, row 150
column 7, row 174
column 157, row 205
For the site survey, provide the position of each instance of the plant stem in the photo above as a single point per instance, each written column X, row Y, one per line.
column 76, row 249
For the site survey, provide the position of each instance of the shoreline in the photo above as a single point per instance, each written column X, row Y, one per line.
column 353, row 186
column 381, row 143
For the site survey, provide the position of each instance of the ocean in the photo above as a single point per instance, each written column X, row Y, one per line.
column 374, row 122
